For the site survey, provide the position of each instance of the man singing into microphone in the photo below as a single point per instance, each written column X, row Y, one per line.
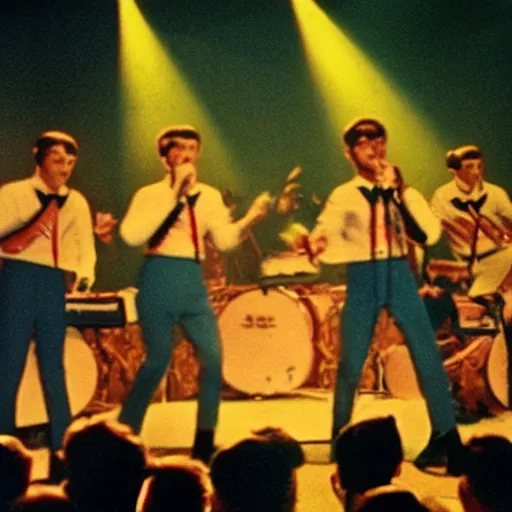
column 171, row 218
column 366, row 223
column 45, row 228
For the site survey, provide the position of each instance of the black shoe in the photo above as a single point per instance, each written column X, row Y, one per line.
column 204, row 448
column 57, row 472
column 443, row 450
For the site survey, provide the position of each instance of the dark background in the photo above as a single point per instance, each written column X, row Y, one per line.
column 59, row 69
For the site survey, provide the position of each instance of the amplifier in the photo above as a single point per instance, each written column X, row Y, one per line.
column 101, row 309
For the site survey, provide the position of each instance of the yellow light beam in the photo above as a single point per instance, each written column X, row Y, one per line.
column 155, row 94
column 353, row 86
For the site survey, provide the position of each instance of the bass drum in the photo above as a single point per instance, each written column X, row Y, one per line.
column 497, row 370
column 477, row 373
column 81, row 374
column 266, row 342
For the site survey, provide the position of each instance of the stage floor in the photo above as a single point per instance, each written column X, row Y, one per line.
column 307, row 417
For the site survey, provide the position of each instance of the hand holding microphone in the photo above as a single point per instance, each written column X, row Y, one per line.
column 185, row 177
column 389, row 176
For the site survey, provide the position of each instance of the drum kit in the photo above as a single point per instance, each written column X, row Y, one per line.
column 282, row 335
column 475, row 357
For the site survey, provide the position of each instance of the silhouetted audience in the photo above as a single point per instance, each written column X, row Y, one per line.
column 368, row 455
column 486, row 482
column 383, row 499
column 44, row 498
column 15, row 470
column 257, row 474
column 177, row 484
column 106, row 465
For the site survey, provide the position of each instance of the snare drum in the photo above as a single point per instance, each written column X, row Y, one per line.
column 81, row 374
column 266, row 342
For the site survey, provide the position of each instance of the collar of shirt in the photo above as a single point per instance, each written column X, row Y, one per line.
column 359, row 181
column 474, row 195
column 197, row 187
column 39, row 184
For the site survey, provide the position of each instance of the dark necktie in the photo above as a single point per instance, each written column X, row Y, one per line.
column 463, row 206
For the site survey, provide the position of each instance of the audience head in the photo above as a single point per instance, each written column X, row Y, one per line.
column 15, row 470
column 383, row 500
column 257, row 473
column 106, row 465
column 176, row 483
column 368, row 454
column 486, row 483
column 43, row 498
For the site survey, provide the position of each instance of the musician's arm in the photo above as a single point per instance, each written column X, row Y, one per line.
column 226, row 233
column 504, row 207
column 422, row 224
column 147, row 211
column 330, row 222
column 9, row 215
column 84, row 234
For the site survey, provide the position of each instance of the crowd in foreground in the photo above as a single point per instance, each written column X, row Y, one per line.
column 105, row 467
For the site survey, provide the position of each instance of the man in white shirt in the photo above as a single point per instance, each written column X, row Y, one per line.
column 366, row 223
column 477, row 218
column 45, row 229
column 171, row 218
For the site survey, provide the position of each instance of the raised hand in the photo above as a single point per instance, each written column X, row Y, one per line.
column 259, row 208
column 104, row 226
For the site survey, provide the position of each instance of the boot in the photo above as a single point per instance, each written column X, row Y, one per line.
column 203, row 448
column 57, row 470
column 443, row 450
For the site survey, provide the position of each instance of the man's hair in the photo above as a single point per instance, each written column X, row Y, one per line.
column 363, row 127
column 391, row 500
column 177, row 484
column 43, row 498
column 489, row 471
column 106, row 464
column 15, row 468
column 253, row 475
column 454, row 157
column 166, row 139
column 368, row 454
column 48, row 139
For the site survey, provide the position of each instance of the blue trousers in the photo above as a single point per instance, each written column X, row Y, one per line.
column 32, row 298
column 172, row 290
column 371, row 286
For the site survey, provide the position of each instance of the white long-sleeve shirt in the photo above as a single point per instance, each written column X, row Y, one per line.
column 76, row 249
column 345, row 221
column 497, row 208
column 151, row 205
